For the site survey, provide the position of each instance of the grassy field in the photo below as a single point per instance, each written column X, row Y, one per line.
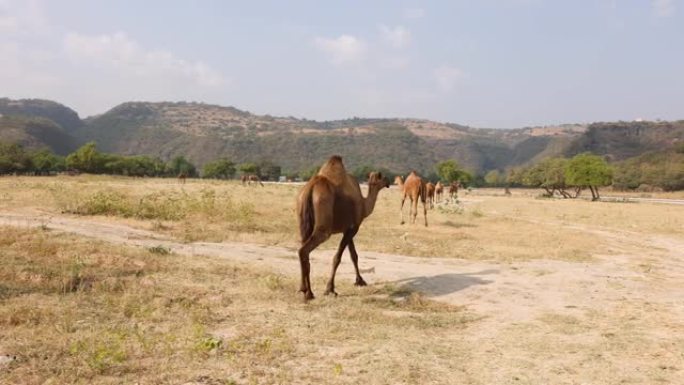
column 77, row 310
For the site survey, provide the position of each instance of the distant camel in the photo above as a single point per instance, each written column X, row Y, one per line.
column 331, row 202
column 182, row 176
column 453, row 190
column 507, row 191
column 413, row 188
column 430, row 192
column 249, row 178
column 439, row 190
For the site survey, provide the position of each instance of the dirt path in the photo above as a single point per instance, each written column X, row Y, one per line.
column 646, row 268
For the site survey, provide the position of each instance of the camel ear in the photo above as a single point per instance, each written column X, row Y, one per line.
column 379, row 175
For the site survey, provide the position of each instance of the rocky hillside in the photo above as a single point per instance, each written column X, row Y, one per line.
column 204, row 132
column 36, row 132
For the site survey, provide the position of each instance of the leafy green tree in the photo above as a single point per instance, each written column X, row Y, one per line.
column 249, row 168
column 86, row 159
column 588, row 171
column 13, row 158
column 493, row 178
column 44, row 161
column 180, row 165
column 450, row 171
column 219, row 169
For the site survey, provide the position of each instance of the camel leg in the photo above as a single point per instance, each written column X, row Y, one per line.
column 355, row 260
column 424, row 212
column 402, row 209
column 330, row 289
column 314, row 240
column 414, row 214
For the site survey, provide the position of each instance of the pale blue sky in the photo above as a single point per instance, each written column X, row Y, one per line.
column 488, row 63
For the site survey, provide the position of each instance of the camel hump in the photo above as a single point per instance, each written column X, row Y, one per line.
column 334, row 170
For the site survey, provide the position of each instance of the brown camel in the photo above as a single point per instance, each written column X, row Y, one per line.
column 439, row 190
column 413, row 188
column 249, row 178
column 182, row 176
column 331, row 202
column 430, row 192
column 453, row 190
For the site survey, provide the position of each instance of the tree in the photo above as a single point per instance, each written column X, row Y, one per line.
column 361, row 172
column 588, row 171
column 220, row 169
column 269, row 170
column 44, row 161
column 86, row 159
column 180, row 165
column 449, row 171
column 249, row 168
column 13, row 158
column 493, row 178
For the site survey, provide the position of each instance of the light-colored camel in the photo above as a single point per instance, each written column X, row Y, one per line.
column 331, row 202
column 430, row 192
column 439, row 190
column 413, row 188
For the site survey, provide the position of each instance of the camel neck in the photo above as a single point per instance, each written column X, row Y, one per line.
column 369, row 200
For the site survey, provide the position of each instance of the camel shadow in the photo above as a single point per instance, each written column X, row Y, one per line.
column 442, row 284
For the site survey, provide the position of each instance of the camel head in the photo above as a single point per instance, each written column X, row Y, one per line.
column 376, row 179
column 398, row 180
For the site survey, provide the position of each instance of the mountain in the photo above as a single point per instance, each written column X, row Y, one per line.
column 58, row 113
column 36, row 132
column 205, row 132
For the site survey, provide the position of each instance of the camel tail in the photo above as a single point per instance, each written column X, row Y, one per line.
column 306, row 216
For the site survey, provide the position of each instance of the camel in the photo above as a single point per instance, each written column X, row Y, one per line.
column 249, row 178
column 331, row 202
column 439, row 190
column 413, row 188
column 182, row 176
column 453, row 190
column 430, row 192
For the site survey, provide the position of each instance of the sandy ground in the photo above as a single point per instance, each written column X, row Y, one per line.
column 646, row 268
column 615, row 319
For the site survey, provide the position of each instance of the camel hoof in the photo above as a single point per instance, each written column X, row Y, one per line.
column 308, row 296
column 328, row 292
column 360, row 282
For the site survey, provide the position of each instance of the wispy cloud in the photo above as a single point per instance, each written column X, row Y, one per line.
column 124, row 54
column 345, row 49
column 397, row 37
column 663, row 8
column 447, row 77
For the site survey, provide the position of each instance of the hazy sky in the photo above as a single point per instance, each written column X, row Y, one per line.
column 486, row 63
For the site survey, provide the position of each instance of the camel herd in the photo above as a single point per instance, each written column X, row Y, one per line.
column 331, row 203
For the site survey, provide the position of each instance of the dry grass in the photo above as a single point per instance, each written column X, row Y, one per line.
column 86, row 312
column 479, row 229
column 77, row 311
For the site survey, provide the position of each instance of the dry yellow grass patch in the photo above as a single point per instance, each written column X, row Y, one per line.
column 77, row 311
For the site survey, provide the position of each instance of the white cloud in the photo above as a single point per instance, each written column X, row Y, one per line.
column 345, row 49
column 125, row 55
column 414, row 13
column 663, row 8
column 447, row 77
column 398, row 36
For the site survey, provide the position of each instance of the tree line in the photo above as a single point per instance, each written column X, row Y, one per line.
column 556, row 176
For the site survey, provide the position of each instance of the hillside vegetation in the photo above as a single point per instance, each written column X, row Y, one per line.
column 203, row 133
